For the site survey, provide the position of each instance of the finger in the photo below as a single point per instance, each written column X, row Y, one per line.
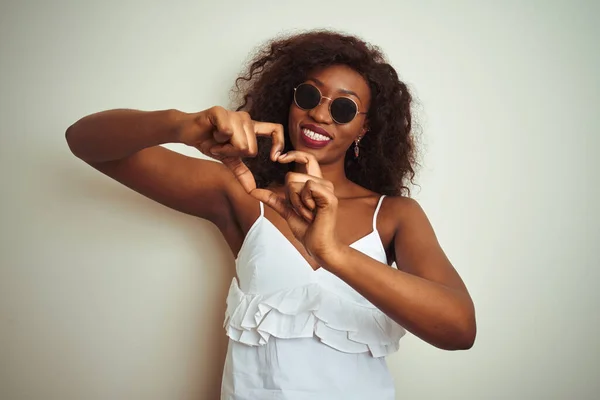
column 307, row 199
column 279, row 204
column 295, row 178
column 206, row 146
column 219, row 119
column 326, row 202
column 275, row 131
column 321, row 195
column 300, row 177
column 252, row 149
column 310, row 162
column 294, row 197
column 238, row 144
column 247, row 126
column 241, row 172
column 296, row 223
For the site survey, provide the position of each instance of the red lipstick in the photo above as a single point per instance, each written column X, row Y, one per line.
column 313, row 142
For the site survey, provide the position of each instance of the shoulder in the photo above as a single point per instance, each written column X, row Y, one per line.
column 406, row 228
column 405, row 212
column 392, row 209
column 402, row 205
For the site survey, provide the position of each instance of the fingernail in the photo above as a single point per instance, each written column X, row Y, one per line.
column 283, row 156
column 277, row 155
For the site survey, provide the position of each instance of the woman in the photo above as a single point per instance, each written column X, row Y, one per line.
column 323, row 137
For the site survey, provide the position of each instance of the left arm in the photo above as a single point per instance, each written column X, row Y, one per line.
column 425, row 294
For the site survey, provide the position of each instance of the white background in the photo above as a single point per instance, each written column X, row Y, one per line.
column 106, row 295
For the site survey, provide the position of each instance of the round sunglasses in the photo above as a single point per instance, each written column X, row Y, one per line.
column 342, row 109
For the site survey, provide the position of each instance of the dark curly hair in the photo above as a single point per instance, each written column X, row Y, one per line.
column 265, row 90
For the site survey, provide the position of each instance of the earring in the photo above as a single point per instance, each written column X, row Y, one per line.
column 356, row 149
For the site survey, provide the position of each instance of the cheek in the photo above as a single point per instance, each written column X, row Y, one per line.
column 350, row 131
column 295, row 114
column 293, row 120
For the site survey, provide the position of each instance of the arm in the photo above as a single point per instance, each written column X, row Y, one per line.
column 125, row 145
column 425, row 295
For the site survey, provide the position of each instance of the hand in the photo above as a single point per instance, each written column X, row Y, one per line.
column 309, row 206
column 228, row 136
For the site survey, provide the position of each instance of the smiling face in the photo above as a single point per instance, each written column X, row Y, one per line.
column 315, row 130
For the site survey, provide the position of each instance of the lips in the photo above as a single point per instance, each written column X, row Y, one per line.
column 316, row 129
column 314, row 137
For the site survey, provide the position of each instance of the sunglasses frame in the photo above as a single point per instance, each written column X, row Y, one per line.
column 331, row 100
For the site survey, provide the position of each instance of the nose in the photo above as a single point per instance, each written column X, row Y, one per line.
column 321, row 112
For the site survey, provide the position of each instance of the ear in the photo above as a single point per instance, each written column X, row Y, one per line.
column 365, row 128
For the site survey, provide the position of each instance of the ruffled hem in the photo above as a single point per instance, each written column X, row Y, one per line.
column 307, row 311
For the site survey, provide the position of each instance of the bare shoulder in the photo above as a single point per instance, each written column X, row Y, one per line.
column 402, row 222
column 410, row 220
column 415, row 245
column 402, row 209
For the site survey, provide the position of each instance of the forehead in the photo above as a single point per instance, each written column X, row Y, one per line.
column 340, row 78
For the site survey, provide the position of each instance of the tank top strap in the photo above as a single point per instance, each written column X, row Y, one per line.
column 262, row 209
column 377, row 212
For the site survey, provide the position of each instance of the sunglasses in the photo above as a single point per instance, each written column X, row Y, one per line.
column 342, row 109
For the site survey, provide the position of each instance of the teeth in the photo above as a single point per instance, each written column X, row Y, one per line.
column 315, row 136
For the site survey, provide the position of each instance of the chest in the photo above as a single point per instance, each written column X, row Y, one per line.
column 359, row 222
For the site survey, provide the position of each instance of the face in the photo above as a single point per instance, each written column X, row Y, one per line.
column 315, row 130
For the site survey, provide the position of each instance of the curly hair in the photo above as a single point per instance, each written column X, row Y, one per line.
column 265, row 90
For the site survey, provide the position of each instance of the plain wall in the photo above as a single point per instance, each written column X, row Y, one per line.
column 107, row 295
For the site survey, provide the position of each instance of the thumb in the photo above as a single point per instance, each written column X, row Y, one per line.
column 272, row 200
column 296, row 223
column 241, row 172
column 278, row 204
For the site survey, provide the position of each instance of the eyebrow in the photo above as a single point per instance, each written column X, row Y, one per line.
column 344, row 91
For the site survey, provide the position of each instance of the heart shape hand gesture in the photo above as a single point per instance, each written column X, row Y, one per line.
column 309, row 206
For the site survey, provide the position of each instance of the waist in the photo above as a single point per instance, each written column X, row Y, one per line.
column 303, row 368
column 307, row 311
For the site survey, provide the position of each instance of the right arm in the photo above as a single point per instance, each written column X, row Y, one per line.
column 125, row 145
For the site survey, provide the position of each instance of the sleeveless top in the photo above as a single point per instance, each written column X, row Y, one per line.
column 279, row 305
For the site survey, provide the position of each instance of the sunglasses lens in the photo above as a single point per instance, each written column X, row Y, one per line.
column 307, row 96
column 343, row 110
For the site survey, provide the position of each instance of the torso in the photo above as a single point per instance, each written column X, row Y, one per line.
column 354, row 220
column 299, row 332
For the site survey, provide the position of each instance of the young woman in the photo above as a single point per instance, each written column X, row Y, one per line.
column 322, row 137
